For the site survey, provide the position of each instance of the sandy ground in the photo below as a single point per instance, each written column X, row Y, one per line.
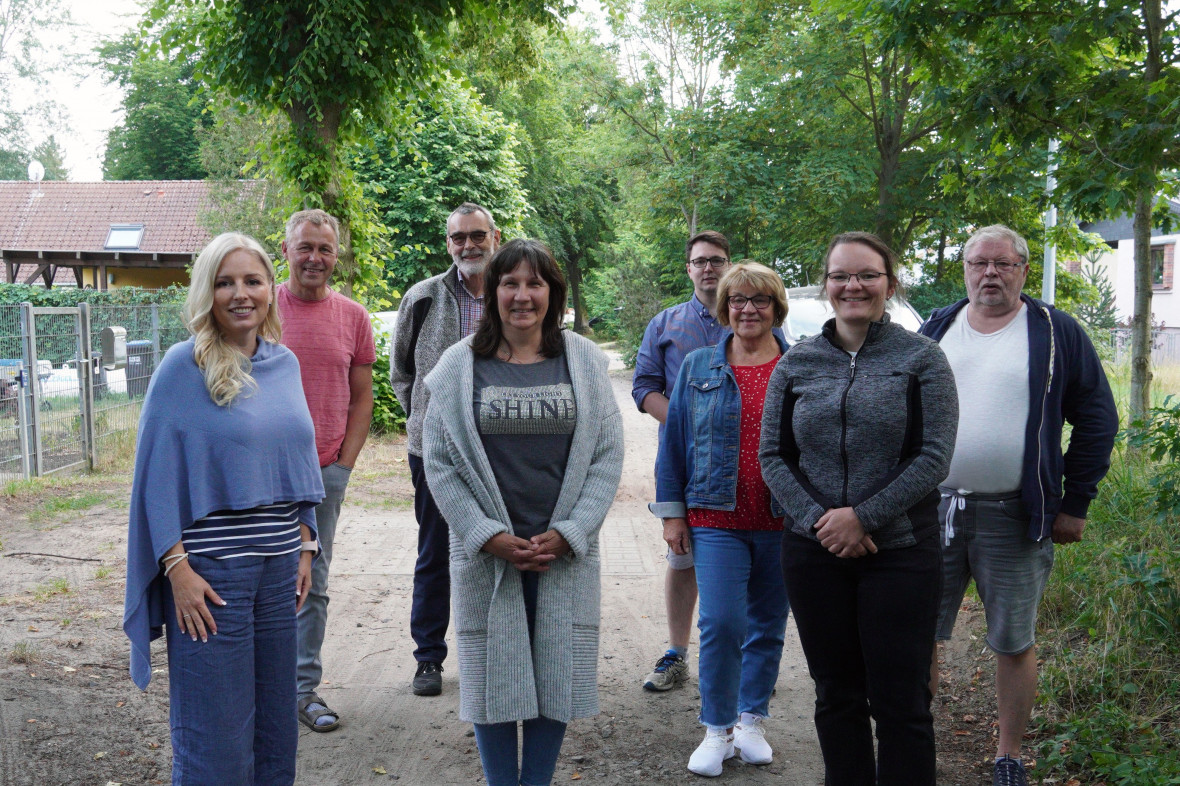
column 69, row 714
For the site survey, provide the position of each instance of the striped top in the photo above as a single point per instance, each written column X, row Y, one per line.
column 265, row 531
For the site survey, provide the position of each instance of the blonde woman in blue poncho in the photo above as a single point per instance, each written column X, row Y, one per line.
column 222, row 526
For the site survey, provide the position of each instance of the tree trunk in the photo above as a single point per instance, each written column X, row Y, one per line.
column 1141, row 322
column 886, row 220
column 318, row 137
column 573, row 274
column 1144, row 200
column 940, row 267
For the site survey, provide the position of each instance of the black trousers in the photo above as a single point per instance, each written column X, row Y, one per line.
column 867, row 629
column 430, row 610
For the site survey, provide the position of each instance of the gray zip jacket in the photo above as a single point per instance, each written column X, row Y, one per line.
column 873, row 432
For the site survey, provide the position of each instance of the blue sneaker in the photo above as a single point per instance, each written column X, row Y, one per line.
column 1009, row 772
column 670, row 669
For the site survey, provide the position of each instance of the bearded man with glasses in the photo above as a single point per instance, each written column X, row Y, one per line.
column 433, row 315
column 1022, row 368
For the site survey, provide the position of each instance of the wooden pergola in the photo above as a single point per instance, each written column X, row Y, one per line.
column 46, row 264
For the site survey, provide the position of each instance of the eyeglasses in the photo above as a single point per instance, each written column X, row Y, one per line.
column 714, row 262
column 1003, row 264
column 867, row 277
column 477, row 237
column 738, row 302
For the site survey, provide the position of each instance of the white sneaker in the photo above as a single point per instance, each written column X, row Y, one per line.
column 707, row 758
column 749, row 738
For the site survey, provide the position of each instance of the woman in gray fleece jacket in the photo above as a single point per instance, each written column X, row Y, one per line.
column 523, row 449
column 857, row 432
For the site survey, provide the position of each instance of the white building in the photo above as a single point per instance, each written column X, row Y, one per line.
column 1119, row 267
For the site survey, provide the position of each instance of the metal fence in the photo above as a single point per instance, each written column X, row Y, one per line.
column 62, row 404
column 1165, row 346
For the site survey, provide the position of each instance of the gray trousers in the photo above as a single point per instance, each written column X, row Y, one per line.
column 313, row 617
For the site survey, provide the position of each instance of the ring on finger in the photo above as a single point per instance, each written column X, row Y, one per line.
column 188, row 616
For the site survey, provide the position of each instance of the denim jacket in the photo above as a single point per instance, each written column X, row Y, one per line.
column 697, row 463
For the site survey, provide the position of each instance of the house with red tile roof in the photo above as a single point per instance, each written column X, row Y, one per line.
column 102, row 235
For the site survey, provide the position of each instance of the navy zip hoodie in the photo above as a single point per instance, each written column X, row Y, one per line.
column 1066, row 383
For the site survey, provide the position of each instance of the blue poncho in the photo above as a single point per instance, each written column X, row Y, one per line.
column 193, row 458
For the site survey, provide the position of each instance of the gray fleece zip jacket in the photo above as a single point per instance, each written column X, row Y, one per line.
column 874, row 432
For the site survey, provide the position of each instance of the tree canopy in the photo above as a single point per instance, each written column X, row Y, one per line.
column 329, row 68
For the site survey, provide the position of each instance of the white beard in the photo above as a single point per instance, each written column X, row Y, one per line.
column 471, row 267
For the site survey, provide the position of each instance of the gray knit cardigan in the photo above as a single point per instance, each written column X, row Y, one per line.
column 500, row 679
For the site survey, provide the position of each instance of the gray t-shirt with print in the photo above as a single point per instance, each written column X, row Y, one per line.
column 525, row 415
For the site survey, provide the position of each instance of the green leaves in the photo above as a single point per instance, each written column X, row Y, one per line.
column 442, row 153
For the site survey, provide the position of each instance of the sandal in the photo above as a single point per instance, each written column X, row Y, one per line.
column 309, row 717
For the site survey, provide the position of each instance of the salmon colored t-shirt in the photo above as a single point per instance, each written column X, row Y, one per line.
column 329, row 337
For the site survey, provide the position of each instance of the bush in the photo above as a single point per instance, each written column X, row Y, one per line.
column 1110, row 625
column 388, row 417
column 64, row 297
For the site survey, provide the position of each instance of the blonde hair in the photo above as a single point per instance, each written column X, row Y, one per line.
column 760, row 278
column 226, row 370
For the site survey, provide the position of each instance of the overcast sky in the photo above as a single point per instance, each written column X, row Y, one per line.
column 91, row 107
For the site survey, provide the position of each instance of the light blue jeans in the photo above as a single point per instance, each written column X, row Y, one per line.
column 232, row 698
column 313, row 617
column 538, row 760
column 740, row 653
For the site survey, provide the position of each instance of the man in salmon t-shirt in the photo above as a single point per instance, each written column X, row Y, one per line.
column 333, row 339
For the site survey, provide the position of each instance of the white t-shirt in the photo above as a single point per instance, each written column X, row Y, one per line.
column 991, row 374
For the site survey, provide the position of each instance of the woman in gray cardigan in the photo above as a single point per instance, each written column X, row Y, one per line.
column 523, row 448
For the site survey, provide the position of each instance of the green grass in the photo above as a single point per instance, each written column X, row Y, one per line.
column 53, row 508
column 43, row 592
column 1110, row 640
column 1165, row 381
column 24, row 652
column 102, row 572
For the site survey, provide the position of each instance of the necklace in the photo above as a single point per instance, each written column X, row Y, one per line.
column 507, row 356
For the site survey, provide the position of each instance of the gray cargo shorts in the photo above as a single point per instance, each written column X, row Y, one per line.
column 986, row 539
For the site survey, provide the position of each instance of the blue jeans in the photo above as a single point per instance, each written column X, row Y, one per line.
column 430, row 610
column 313, row 617
column 740, row 653
column 232, row 699
column 497, row 751
column 867, row 628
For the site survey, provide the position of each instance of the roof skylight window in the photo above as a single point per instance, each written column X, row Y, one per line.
column 124, row 237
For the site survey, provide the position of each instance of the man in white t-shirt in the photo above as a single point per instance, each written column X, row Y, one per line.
column 1022, row 369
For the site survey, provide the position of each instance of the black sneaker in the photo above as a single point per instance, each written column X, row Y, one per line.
column 1009, row 772
column 428, row 679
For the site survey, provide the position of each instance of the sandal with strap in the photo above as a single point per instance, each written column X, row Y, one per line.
column 309, row 717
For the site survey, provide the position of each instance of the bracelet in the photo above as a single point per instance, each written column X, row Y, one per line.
column 172, row 561
column 310, row 545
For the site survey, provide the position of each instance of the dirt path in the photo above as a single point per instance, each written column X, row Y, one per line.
column 69, row 714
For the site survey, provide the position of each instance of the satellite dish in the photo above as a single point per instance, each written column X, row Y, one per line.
column 36, row 171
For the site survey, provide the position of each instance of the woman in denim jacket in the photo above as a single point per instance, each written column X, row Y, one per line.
column 710, row 493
